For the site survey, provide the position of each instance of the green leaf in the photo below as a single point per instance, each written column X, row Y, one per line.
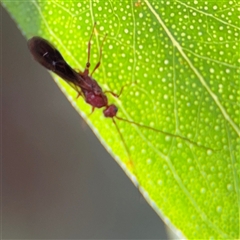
column 179, row 63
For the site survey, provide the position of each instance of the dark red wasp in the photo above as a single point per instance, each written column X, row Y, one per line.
column 49, row 57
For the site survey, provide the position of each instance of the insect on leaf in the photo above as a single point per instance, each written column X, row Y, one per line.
column 179, row 64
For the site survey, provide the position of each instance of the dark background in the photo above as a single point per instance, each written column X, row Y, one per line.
column 57, row 179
